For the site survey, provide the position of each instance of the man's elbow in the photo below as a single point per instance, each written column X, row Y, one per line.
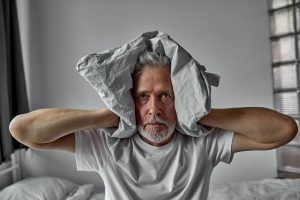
column 290, row 130
column 19, row 128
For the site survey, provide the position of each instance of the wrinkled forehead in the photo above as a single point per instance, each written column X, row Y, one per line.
column 153, row 77
column 150, row 67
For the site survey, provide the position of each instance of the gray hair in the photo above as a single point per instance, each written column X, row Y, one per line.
column 151, row 59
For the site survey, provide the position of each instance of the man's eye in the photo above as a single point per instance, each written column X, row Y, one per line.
column 142, row 98
column 164, row 95
column 166, row 98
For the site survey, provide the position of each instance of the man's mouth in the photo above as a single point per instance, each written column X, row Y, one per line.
column 155, row 125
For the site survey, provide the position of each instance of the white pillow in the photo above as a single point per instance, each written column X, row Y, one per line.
column 83, row 192
column 109, row 73
column 38, row 188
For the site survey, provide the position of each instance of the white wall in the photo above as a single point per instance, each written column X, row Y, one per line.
column 230, row 37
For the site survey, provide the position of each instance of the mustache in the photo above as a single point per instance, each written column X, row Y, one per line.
column 156, row 119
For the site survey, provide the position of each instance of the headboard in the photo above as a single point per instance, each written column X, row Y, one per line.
column 10, row 171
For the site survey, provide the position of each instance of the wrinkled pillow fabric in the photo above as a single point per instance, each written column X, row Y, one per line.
column 82, row 192
column 109, row 73
column 36, row 188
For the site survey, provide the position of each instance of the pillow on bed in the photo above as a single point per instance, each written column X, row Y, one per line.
column 38, row 188
column 83, row 192
column 109, row 73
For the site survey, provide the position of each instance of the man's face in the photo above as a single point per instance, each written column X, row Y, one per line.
column 154, row 104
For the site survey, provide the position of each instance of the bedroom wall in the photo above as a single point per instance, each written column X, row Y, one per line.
column 229, row 37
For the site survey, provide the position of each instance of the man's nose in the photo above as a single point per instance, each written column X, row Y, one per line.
column 154, row 107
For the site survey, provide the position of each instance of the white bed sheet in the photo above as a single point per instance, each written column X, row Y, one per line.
column 53, row 188
column 266, row 189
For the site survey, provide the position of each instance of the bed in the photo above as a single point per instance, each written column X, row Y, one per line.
column 40, row 188
column 57, row 188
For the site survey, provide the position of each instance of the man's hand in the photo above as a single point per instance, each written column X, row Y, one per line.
column 53, row 128
column 255, row 128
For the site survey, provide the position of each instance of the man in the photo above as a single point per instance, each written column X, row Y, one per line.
column 158, row 162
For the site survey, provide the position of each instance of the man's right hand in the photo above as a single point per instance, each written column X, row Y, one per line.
column 54, row 128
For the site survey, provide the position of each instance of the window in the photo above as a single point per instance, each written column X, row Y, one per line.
column 284, row 20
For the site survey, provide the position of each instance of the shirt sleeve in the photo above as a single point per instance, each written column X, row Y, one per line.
column 218, row 146
column 90, row 150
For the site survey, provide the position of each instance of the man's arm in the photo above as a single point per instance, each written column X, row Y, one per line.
column 54, row 128
column 254, row 128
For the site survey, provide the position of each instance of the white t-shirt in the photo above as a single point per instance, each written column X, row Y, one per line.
column 132, row 169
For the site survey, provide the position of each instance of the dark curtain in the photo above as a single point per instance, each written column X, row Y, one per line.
column 13, row 97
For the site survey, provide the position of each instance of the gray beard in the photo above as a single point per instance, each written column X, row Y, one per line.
column 157, row 136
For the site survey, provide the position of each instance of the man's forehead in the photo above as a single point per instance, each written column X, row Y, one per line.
column 150, row 79
column 158, row 91
column 154, row 72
